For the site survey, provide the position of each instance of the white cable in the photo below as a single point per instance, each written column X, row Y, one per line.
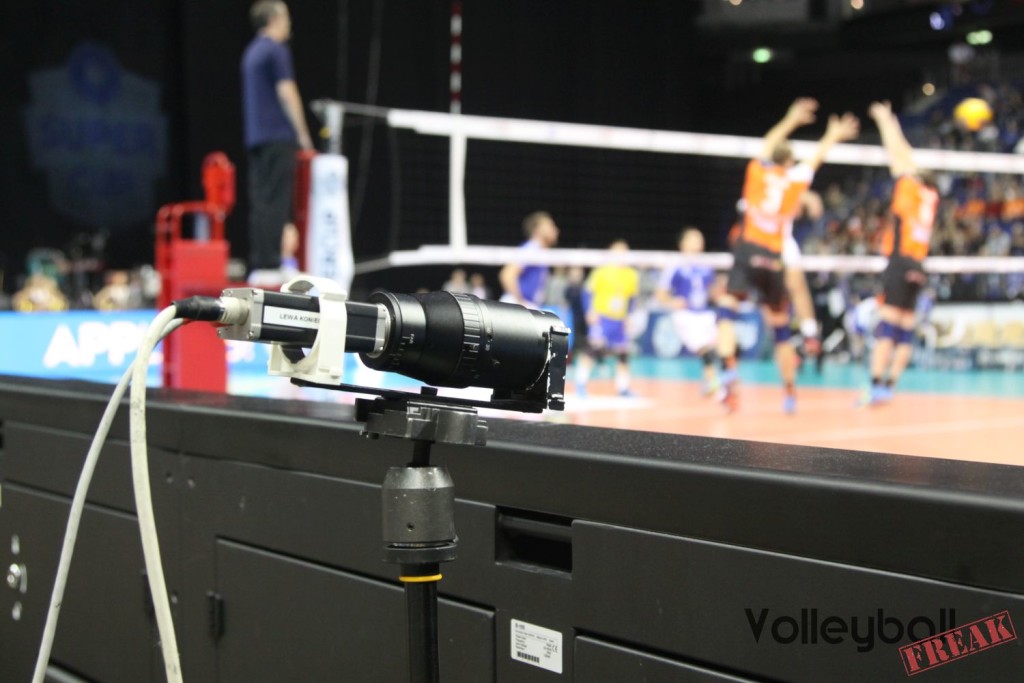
column 144, row 499
column 75, row 517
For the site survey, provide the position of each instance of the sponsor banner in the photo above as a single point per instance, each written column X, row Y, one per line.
column 660, row 336
column 93, row 345
column 329, row 240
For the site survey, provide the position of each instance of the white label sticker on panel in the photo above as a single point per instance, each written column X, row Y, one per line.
column 537, row 645
column 273, row 315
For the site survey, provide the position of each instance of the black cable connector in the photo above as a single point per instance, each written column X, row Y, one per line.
column 199, row 308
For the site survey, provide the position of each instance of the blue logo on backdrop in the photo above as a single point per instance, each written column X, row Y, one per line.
column 97, row 132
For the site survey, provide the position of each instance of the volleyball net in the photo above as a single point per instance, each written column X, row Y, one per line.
column 461, row 129
column 466, row 182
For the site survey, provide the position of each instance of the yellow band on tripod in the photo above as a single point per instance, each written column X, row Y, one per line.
column 419, row 579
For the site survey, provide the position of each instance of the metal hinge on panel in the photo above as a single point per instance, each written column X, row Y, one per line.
column 215, row 614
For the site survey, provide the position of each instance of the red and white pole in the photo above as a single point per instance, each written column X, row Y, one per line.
column 455, row 74
column 457, row 236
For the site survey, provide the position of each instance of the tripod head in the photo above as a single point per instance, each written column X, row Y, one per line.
column 422, row 417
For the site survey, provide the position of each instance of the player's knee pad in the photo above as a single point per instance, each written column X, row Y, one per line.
column 623, row 357
column 782, row 333
column 708, row 358
column 728, row 314
column 886, row 330
column 904, row 336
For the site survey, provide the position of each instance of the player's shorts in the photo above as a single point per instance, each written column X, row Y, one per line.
column 697, row 329
column 902, row 281
column 608, row 335
column 760, row 270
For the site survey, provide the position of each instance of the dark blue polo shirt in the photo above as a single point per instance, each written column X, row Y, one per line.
column 265, row 63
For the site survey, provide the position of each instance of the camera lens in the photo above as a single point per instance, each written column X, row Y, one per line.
column 457, row 340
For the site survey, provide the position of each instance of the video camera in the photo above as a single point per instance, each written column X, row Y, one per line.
column 444, row 339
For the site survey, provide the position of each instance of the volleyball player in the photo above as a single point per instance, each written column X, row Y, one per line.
column 688, row 289
column 524, row 283
column 608, row 296
column 772, row 191
column 795, row 279
column 915, row 201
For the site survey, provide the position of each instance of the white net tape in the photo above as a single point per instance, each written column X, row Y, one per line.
column 674, row 142
column 498, row 256
column 460, row 128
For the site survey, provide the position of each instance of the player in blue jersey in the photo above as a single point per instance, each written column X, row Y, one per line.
column 524, row 283
column 689, row 290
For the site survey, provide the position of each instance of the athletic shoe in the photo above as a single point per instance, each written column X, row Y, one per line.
column 627, row 393
column 727, row 394
column 710, row 387
column 730, row 399
column 876, row 395
column 789, row 404
column 581, row 390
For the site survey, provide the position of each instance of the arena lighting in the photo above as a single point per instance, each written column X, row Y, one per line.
column 983, row 37
column 857, row 4
column 762, row 55
column 928, row 89
column 936, row 21
column 440, row 338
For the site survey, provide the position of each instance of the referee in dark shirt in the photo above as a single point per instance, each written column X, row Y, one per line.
column 275, row 126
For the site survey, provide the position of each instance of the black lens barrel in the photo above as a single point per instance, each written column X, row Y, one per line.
column 457, row 340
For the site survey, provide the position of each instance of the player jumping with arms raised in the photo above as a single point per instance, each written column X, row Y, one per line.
column 772, row 191
column 915, row 201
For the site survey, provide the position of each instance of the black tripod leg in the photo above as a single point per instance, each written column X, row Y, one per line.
column 421, row 601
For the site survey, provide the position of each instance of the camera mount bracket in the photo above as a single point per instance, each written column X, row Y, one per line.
column 326, row 360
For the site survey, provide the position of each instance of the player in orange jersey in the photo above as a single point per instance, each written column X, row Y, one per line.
column 915, row 201
column 772, row 191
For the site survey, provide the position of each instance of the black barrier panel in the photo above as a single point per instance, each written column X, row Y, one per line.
column 584, row 554
column 333, row 625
